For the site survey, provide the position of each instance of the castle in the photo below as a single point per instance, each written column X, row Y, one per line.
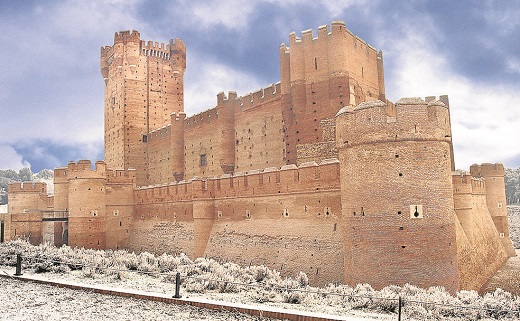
column 318, row 173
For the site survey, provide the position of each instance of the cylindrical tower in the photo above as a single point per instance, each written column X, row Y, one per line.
column 87, row 205
column 496, row 199
column 397, row 195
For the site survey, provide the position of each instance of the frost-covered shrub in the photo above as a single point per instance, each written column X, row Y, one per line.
column 293, row 297
column 261, row 284
column 497, row 303
column 166, row 263
column 203, row 264
column 194, row 285
column 387, row 299
column 302, row 279
column 259, row 272
column 261, row 295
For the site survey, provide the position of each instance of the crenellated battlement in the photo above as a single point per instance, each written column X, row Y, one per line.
column 236, row 103
column 121, row 176
column 125, row 36
column 27, row 187
column 373, row 121
column 309, row 176
column 155, row 49
column 160, row 132
column 83, row 170
column 259, row 97
column 487, row 170
column 464, row 183
column 338, row 30
column 202, row 118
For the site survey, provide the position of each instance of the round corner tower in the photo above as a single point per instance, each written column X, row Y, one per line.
column 397, row 195
column 143, row 87
column 496, row 199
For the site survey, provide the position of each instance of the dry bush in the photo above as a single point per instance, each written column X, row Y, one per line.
column 261, row 284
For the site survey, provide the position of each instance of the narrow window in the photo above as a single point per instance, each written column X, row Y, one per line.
column 203, row 160
column 316, row 63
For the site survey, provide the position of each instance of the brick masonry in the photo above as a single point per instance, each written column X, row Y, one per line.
column 317, row 173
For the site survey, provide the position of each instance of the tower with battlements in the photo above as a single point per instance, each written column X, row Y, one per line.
column 496, row 199
column 278, row 176
column 397, row 195
column 143, row 86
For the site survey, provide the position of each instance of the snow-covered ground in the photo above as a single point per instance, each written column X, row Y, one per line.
column 31, row 301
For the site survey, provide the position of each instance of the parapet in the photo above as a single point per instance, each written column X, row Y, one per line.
column 163, row 132
column 374, row 121
column 201, row 118
column 83, row 169
column 159, row 50
column 121, row 176
column 259, row 97
column 125, row 37
column 487, row 170
column 464, row 183
column 443, row 98
column 27, row 187
column 235, row 103
column 338, row 30
column 309, row 176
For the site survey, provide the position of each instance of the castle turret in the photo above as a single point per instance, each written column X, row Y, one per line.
column 496, row 199
column 26, row 201
column 396, row 194
column 86, row 204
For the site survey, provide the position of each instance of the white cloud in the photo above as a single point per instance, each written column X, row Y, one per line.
column 513, row 65
column 485, row 119
column 231, row 14
column 10, row 159
column 505, row 20
column 89, row 19
column 204, row 80
column 333, row 7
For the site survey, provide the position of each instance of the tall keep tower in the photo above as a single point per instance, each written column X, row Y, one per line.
column 143, row 87
column 320, row 75
column 397, row 194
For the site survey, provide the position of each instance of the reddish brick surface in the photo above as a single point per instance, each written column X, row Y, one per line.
column 317, row 173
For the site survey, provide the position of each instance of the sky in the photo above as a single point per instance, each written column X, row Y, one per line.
column 51, row 88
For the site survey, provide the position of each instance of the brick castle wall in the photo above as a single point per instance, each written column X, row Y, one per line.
column 279, row 177
column 286, row 218
column 479, row 249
